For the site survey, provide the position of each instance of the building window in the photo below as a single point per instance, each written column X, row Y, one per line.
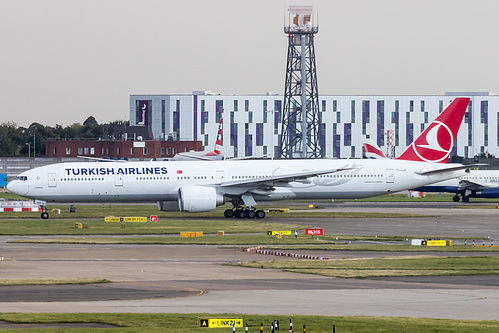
column 246, row 105
column 118, row 151
column 323, row 105
column 68, row 151
column 145, row 150
column 169, row 151
column 366, row 112
column 484, row 112
column 132, row 151
column 163, row 119
column 265, row 106
column 236, row 105
column 162, row 150
column 85, row 151
column 485, row 135
column 352, row 109
column 277, row 106
column 92, row 150
column 80, row 151
column 54, row 152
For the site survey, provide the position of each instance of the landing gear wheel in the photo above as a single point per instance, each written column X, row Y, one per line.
column 45, row 215
column 250, row 214
column 240, row 213
column 228, row 213
column 260, row 214
column 466, row 199
column 456, row 198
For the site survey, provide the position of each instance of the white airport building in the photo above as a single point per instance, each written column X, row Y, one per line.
column 252, row 123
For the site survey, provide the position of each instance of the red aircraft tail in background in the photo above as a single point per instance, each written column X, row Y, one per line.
column 436, row 142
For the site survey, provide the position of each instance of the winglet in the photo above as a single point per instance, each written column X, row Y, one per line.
column 436, row 142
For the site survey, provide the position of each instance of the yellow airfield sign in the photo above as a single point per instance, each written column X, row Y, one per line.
column 126, row 219
column 220, row 322
column 275, row 232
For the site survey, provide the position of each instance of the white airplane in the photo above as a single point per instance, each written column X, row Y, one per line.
column 202, row 186
column 477, row 184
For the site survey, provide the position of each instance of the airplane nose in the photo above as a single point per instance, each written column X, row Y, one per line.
column 10, row 187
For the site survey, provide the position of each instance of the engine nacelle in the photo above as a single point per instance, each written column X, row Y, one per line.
column 198, row 199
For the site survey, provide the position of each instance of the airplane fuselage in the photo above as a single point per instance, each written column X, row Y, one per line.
column 160, row 181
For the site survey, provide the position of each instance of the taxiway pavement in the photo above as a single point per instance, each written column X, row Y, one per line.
column 195, row 279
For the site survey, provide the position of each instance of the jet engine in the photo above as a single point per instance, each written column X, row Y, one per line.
column 198, row 199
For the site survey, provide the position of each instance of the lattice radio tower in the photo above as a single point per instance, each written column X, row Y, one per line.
column 300, row 119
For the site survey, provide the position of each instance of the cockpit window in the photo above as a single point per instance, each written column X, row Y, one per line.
column 23, row 178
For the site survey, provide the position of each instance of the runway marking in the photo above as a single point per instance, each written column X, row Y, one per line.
column 200, row 292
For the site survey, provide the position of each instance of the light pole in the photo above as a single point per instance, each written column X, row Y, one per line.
column 29, row 149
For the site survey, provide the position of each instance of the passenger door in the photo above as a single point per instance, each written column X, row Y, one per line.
column 390, row 178
column 52, row 180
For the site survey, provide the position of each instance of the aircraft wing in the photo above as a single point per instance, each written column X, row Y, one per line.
column 196, row 157
column 470, row 185
column 273, row 180
column 99, row 159
column 449, row 169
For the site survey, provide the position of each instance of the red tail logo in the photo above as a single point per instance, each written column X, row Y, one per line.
column 218, row 143
column 372, row 149
column 436, row 142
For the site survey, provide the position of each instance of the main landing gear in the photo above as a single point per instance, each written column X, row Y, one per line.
column 243, row 207
column 242, row 213
column 465, row 198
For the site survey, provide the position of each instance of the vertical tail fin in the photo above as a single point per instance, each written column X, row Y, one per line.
column 436, row 142
column 372, row 149
column 218, row 143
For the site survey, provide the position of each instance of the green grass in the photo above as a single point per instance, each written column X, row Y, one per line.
column 287, row 243
column 100, row 211
column 183, row 323
column 430, row 197
column 163, row 226
column 396, row 266
column 33, row 282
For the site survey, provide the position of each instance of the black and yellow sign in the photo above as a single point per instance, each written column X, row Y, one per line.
column 203, row 322
column 275, row 232
column 438, row 242
column 220, row 322
column 126, row 219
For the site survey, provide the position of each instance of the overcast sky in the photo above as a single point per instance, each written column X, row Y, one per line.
column 63, row 60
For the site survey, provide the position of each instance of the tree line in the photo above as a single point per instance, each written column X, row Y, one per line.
column 20, row 141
